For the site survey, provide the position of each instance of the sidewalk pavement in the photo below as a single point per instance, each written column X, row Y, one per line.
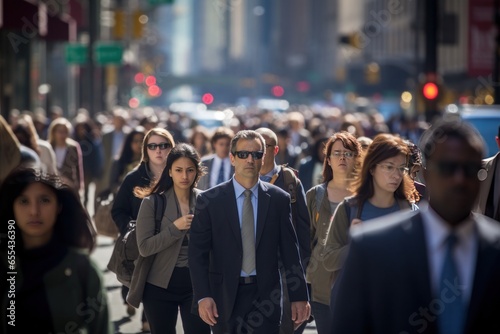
column 123, row 323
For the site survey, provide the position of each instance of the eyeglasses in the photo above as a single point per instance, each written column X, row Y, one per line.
column 389, row 169
column 269, row 145
column 450, row 168
column 162, row 146
column 256, row 155
column 345, row 155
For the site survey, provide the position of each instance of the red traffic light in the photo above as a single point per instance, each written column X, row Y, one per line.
column 150, row 80
column 278, row 91
column 430, row 90
column 207, row 98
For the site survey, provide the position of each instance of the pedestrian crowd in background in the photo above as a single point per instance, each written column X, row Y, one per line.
column 318, row 187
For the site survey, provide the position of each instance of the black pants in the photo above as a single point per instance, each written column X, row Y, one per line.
column 163, row 305
column 250, row 315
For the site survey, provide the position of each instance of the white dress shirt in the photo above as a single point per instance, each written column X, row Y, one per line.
column 464, row 253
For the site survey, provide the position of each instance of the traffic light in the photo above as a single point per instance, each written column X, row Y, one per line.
column 430, row 91
column 207, row 98
column 353, row 39
column 139, row 20
column 278, row 91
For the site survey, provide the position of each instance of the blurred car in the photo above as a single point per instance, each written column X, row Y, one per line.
column 486, row 119
column 212, row 119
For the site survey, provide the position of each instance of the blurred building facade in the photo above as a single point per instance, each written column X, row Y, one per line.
column 235, row 48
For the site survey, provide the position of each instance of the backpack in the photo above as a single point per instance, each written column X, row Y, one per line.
column 291, row 182
column 126, row 250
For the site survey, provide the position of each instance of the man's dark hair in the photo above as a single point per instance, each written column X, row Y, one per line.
column 444, row 128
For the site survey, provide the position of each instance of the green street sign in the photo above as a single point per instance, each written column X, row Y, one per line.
column 76, row 53
column 108, row 53
column 160, row 2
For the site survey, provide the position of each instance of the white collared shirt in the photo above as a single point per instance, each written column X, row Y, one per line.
column 465, row 251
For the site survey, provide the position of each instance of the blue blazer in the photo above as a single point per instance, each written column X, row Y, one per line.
column 215, row 249
column 385, row 286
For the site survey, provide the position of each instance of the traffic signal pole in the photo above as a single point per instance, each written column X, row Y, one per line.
column 430, row 63
column 496, row 66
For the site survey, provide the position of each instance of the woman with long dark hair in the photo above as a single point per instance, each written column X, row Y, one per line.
column 47, row 236
column 383, row 187
column 168, row 286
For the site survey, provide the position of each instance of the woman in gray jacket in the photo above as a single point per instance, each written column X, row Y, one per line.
column 168, row 286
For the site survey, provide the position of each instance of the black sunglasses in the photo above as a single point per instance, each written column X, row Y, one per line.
column 162, row 146
column 450, row 168
column 257, row 155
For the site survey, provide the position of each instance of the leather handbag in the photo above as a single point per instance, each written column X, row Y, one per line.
column 143, row 264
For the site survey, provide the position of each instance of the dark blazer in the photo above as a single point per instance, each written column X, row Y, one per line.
column 204, row 181
column 485, row 203
column 385, row 285
column 215, row 249
column 126, row 206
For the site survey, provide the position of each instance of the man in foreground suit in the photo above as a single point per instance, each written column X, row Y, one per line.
column 434, row 270
column 232, row 297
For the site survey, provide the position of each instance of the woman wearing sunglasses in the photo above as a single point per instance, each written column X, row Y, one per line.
column 155, row 148
column 383, row 187
column 168, row 288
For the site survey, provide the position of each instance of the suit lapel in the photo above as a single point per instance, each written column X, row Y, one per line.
column 419, row 261
column 486, row 262
column 171, row 210
column 262, row 207
column 230, row 207
column 490, row 166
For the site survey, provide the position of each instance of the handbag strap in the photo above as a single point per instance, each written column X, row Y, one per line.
column 159, row 202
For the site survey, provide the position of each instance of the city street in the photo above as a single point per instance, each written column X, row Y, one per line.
column 122, row 322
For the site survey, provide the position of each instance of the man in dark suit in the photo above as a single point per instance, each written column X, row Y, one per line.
column 434, row 270
column 232, row 296
column 285, row 178
column 488, row 202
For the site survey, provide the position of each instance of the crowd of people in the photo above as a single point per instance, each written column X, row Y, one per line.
column 271, row 222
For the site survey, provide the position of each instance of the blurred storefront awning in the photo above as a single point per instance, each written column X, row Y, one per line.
column 32, row 19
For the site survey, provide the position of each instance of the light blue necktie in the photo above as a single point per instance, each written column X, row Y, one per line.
column 220, row 179
column 451, row 319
